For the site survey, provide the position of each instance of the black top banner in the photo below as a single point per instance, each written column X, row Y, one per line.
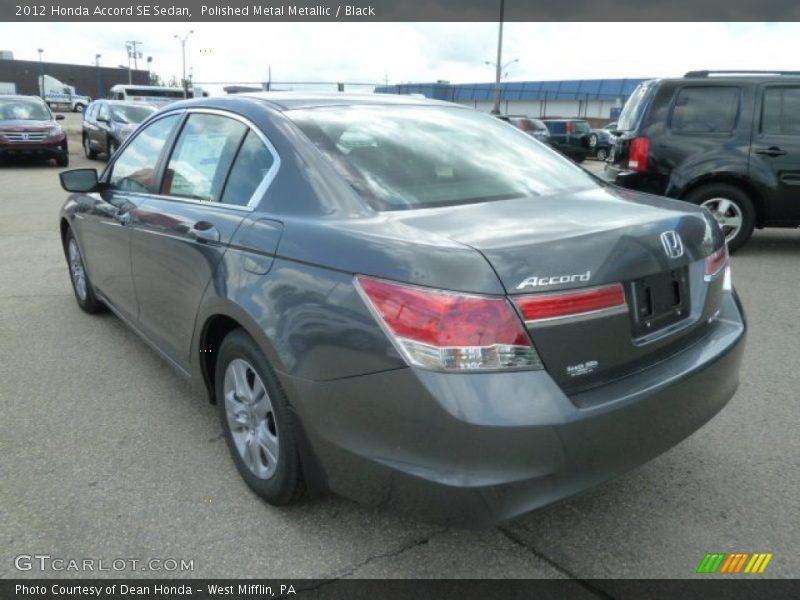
column 397, row 10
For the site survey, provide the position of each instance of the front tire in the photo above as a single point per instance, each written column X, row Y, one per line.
column 257, row 422
column 732, row 208
column 112, row 147
column 62, row 160
column 87, row 149
column 602, row 154
column 81, row 284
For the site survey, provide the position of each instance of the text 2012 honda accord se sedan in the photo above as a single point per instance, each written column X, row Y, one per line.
column 407, row 302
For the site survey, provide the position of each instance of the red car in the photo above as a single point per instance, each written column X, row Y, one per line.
column 29, row 129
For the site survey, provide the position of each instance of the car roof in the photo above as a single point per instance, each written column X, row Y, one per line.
column 20, row 97
column 296, row 100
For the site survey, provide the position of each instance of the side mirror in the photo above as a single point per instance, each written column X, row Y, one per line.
column 102, row 119
column 79, row 180
column 59, row 117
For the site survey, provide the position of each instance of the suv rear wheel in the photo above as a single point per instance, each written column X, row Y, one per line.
column 732, row 208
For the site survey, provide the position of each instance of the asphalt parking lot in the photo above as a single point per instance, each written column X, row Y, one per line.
column 105, row 454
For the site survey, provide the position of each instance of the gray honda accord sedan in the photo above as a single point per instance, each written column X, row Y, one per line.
column 407, row 302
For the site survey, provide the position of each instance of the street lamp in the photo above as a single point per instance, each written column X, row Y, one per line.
column 99, row 76
column 499, row 62
column 41, row 72
column 182, row 40
column 149, row 76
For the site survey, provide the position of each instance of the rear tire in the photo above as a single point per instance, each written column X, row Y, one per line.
column 732, row 208
column 257, row 422
column 81, row 284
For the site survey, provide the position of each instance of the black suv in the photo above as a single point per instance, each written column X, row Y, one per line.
column 729, row 141
column 570, row 137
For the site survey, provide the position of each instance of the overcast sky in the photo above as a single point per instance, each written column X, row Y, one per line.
column 403, row 52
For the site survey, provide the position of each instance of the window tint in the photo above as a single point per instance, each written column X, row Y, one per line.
column 634, row 107
column 405, row 157
column 134, row 169
column 705, row 110
column 252, row 164
column 103, row 112
column 780, row 113
column 202, row 157
column 557, row 127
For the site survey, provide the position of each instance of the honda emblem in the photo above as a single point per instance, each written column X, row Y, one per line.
column 673, row 245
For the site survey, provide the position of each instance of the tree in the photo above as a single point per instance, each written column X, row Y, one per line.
column 155, row 79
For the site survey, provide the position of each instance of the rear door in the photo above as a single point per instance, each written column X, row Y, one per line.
column 207, row 189
column 775, row 150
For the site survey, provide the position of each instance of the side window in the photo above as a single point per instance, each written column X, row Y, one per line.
column 780, row 111
column 102, row 113
column 705, row 110
column 134, row 169
column 202, row 157
column 252, row 164
column 88, row 114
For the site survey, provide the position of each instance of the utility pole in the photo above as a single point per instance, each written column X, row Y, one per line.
column 41, row 73
column 99, row 76
column 499, row 63
column 131, row 46
column 128, row 51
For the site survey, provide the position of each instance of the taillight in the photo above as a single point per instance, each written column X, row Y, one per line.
column 523, row 124
column 716, row 262
column 569, row 127
column 447, row 330
column 537, row 307
column 638, row 153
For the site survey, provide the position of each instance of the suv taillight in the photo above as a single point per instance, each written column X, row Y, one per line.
column 638, row 153
column 449, row 331
column 569, row 127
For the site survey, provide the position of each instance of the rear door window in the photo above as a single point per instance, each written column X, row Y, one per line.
column 705, row 109
column 202, row 157
column 780, row 112
column 253, row 163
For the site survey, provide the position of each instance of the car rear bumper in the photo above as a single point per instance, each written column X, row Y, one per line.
column 650, row 183
column 474, row 450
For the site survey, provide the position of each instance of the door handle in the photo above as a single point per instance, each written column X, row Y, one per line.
column 123, row 218
column 203, row 231
column 771, row 151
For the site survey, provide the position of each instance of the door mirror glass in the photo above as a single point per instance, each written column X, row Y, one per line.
column 79, row 180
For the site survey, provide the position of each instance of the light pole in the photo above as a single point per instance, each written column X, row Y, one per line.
column 99, row 76
column 498, row 63
column 128, row 51
column 182, row 40
column 41, row 72
column 149, row 76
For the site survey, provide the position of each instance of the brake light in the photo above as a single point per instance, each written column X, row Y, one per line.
column 638, row 154
column 569, row 127
column 523, row 124
column 716, row 262
column 538, row 307
column 449, row 331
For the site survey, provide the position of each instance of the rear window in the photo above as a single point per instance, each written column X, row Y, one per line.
column 634, row 107
column 405, row 157
column 580, row 127
column 557, row 126
column 705, row 110
column 780, row 113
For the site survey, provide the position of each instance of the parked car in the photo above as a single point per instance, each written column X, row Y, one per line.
column 406, row 302
column 108, row 123
column 533, row 127
column 570, row 137
column 611, row 126
column 600, row 142
column 728, row 142
column 29, row 129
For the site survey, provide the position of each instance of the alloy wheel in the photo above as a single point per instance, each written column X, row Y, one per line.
column 76, row 269
column 727, row 213
column 251, row 419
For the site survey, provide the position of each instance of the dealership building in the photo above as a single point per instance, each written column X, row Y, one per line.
column 595, row 99
column 22, row 76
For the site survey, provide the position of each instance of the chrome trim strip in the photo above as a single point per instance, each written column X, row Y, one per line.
column 591, row 314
